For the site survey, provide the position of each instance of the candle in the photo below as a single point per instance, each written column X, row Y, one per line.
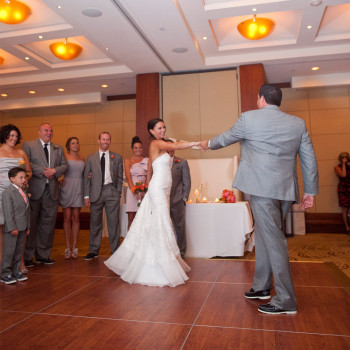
column 217, row 200
column 204, row 200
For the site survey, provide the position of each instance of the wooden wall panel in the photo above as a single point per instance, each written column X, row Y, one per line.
column 251, row 78
column 147, row 104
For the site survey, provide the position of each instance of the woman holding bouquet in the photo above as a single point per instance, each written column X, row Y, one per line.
column 135, row 171
column 149, row 254
column 10, row 157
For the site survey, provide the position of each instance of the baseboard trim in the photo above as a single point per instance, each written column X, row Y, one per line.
column 324, row 223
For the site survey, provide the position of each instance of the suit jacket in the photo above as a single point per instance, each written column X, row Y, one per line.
column 16, row 211
column 38, row 163
column 93, row 186
column 181, row 185
column 271, row 141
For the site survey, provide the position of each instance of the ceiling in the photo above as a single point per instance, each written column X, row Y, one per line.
column 123, row 38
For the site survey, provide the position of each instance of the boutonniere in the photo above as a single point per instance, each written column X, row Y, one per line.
column 112, row 156
column 54, row 146
column 29, row 195
column 177, row 160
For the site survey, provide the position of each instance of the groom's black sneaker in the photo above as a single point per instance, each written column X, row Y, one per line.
column 261, row 294
column 90, row 256
column 274, row 310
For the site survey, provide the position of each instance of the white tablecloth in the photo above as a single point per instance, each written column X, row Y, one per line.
column 218, row 229
column 213, row 229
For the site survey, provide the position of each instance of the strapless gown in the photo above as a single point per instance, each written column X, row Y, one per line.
column 5, row 165
column 149, row 254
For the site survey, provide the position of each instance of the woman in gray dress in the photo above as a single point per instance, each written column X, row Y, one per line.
column 10, row 157
column 72, row 196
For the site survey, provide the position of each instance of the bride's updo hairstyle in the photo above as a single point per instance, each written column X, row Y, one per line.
column 151, row 124
column 134, row 140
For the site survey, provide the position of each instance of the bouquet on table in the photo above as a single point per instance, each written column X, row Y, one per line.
column 228, row 197
column 140, row 188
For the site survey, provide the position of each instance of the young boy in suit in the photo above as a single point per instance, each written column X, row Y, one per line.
column 15, row 204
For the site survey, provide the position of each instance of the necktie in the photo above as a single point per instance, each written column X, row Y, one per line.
column 103, row 165
column 46, row 152
column 23, row 195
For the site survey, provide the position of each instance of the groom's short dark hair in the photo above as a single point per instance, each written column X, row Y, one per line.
column 272, row 94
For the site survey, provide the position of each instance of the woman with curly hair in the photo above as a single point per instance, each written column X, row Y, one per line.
column 343, row 172
column 10, row 157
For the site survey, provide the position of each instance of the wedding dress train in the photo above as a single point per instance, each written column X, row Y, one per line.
column 149, row 254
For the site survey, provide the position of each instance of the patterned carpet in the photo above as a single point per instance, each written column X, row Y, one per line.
column 323, row 247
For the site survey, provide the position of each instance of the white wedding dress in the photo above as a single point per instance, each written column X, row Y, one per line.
column 149, row 254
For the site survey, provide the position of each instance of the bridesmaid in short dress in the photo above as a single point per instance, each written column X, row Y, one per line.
column 72, row 196
column 135, row 171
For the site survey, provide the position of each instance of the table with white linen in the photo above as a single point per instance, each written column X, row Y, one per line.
column 212, row 229
column 218, row 229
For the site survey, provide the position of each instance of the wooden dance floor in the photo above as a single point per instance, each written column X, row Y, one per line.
column 82, row 305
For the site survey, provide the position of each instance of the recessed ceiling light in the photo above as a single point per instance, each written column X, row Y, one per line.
column 40, row 37
column 107, row 48
column 254, row 9
column 31, row 92
column 316, row 3
column 27, row 58
column 315, row 68
column 60, row 89
column 205, row 38
column 180, row 50
column 3, row 95
column 91, row 12
column 59, row 6
column 309, row 27
column 104, row 86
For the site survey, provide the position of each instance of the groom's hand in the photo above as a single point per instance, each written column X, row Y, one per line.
column 307, row 201
column 204, row 145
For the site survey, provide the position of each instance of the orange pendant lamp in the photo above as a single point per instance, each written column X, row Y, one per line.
column 65, row 50
column 256, row 28
column 13, row 11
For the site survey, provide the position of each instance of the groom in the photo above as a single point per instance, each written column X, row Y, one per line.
column 271, row 141
column 103, row 181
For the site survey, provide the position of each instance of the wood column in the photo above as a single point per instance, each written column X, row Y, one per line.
column 147, row 105
column 251, row 77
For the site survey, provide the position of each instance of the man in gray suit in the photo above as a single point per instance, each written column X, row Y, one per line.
column 48, row 164
column 179, row 193
column 271, row 141
column 103, row 181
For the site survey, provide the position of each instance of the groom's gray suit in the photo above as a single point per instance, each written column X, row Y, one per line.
column 271, row 141
column 100, row 196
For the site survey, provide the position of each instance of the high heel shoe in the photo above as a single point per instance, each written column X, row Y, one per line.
column 67, row 254
column 75, row 253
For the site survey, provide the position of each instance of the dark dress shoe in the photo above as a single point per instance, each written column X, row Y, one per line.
column 28, row 263
column 261, row 294
column 47, row 261
column 90, row 256
column 273, row 310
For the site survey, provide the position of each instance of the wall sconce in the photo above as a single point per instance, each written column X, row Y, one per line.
column 256, row 28
column 65, row 50
column 13, row 11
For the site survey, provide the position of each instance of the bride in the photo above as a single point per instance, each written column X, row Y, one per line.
column 149, row 254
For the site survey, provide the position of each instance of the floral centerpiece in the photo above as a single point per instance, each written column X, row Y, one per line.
column 140, row 188
column 228, row 197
